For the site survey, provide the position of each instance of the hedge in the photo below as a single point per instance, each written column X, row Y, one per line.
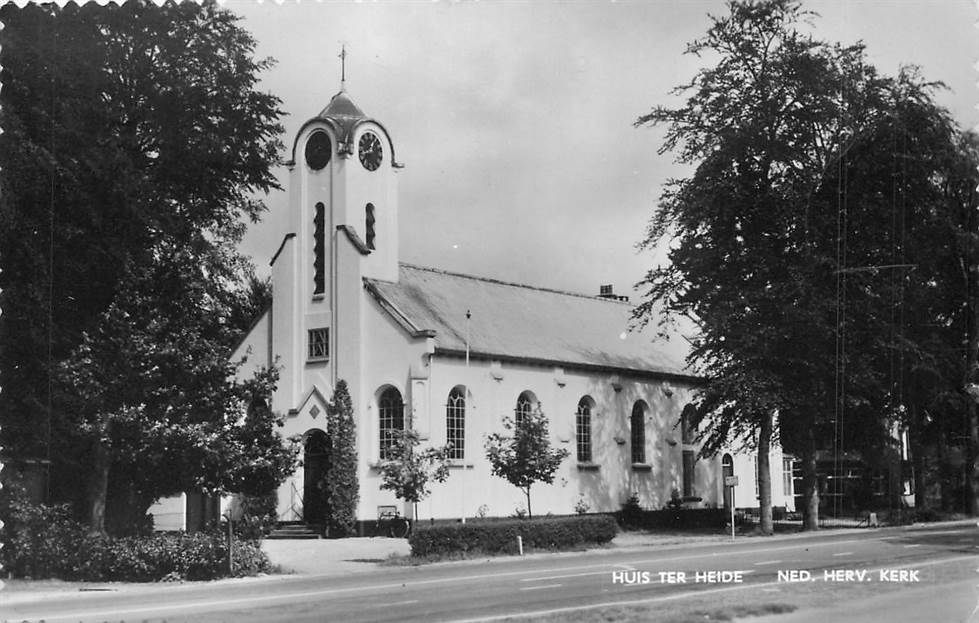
column 670, row 518
column 44, row 542
column 491, row 537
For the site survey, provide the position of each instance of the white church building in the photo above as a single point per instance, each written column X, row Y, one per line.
column 450, row 355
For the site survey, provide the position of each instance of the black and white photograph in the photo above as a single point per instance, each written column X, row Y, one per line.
column 477, row 311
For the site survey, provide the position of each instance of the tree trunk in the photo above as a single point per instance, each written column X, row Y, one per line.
column 944, row 473
column 810, row 485
column 98, row 487
column 972, row 486
column 125, row 510
column 527, row 493
column 765, row 525
column 915, row 437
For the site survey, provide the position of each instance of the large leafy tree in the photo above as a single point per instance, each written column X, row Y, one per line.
column 763, row 235
column 154, row 402
column 962, row 236
column 907, row 188
column 525, row 456
column 134, row 141
column 816, row 187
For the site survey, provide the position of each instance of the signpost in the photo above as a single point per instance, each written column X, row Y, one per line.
column 731, row 482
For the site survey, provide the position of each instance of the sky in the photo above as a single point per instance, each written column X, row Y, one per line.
column 514, row 120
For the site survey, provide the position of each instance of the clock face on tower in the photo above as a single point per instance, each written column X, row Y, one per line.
column 370, row 151
column 318, row 151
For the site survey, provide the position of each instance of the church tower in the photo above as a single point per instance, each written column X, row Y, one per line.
column 344, row 161
column 343, row 219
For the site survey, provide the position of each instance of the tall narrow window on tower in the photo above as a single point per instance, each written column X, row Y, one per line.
column 369, row 224
column 318, row 250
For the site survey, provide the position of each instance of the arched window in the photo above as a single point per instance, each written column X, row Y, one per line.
column 369, row 224
column 455, row 423
column 687, row 430
column 637, row 426
column 391, row 419
column 689, row 472
column 583, row 429
column 526, row 403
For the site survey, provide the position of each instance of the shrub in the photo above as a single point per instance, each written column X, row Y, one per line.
column 39, row 540
column 258, row 516
column 501, row 536
column 672, row 518
column 631, row 514
column 44, row 542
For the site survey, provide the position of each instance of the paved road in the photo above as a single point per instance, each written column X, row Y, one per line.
column 911, row 565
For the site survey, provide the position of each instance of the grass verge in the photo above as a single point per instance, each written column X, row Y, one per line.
column 407, row 560
column 659, row 614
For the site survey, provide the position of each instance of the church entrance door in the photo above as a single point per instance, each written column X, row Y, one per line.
column 316, row 467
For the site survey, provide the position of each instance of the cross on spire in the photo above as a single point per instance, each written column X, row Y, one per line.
column 343, row 66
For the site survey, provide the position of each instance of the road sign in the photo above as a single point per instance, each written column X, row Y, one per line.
column 730, row 481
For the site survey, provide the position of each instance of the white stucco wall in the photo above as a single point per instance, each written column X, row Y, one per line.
column 170, row 513
column 746, row 493
column 493, row 391
column 254, row 348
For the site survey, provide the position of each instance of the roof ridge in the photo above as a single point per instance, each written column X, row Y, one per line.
column 513, row 283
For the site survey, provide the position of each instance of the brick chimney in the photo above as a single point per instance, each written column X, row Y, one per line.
column 605, row 292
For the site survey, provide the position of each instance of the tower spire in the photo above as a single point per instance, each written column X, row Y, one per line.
column 343, row 67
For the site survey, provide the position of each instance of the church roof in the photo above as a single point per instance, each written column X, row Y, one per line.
column 344, row 113
column 518, row 322
column 342, row 106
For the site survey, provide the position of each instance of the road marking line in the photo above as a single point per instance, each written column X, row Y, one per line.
column 537, row 588
column 606, row 567
column 567, row 575
column 843, row 554
column 650, row 600
column 767, row 562
column 396, row 603
column 931, row 532
column 913, row 545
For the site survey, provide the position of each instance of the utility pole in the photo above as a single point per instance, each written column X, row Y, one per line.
column 465, row 437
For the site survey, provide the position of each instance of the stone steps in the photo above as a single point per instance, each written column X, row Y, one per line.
column 296, row 530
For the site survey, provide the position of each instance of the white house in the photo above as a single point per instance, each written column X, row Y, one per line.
column 450, row 355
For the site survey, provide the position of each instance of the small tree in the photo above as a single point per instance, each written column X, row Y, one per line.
column 340, row 482
column 525, row 457
column 408, row 471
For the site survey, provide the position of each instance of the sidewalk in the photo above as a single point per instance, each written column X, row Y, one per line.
column 333, row 556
